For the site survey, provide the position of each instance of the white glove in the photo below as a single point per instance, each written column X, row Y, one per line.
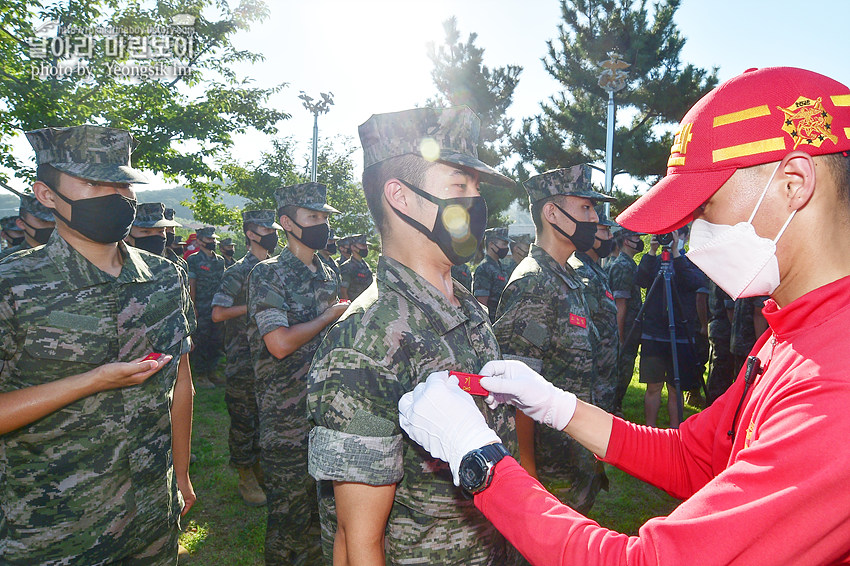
column 514, row 383
column 443, row 419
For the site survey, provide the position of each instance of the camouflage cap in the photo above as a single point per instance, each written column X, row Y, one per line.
column 226, row 242
column 359, row 239
column 343, row 241
column 331, row 235
column 603, row 218
column 152, row 215
column 523, row 239
column 169, row 215
column 304, row 195
column 572, row 181
column 207, row 232
column 89, row 152
column 31, row 205
column 447, row 135
column 264, row 218
column 497, row 234
column 9, row 224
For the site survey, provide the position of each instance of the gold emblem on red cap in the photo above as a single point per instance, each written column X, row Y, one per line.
column 807, row 122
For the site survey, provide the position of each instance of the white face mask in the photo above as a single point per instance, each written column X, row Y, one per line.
column 741, row 262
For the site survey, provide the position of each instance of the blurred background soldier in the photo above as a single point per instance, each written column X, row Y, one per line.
column 748, row 323
column 519, row 249
column 463, row 275
column 344, row 247
column 205, row 271
column 354, row 274
column 491, row 276
column 603, row 310
column 326, row 254
column 174, row 246
column 148, row 230
column 622, row 277
column 292, row 299
column 10, row 232
column 37, row 223
column 722, row 369
column 229, row 305
column 227, row 250
column 543, row 319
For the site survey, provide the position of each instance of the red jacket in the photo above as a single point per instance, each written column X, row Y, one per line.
column 779, row 493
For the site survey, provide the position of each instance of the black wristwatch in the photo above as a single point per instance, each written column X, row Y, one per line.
column 477, row 467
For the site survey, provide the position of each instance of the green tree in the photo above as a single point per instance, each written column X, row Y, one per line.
column 183, row 121
column 462, row 78
column 571, row 128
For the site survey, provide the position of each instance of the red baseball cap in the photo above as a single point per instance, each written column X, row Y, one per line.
column 757, row 117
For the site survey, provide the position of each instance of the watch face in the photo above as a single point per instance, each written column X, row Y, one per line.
column 473, row 471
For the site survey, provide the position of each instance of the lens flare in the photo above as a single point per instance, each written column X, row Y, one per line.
column 430, row 149
column 456, row 221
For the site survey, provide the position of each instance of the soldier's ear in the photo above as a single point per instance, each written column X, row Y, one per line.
column 395, row 195
column 44, row 195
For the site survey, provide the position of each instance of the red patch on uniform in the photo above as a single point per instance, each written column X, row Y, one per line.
column 577, row 320
column 609, row 295
column 205, row 267
column 361, row 275
column 501, row 278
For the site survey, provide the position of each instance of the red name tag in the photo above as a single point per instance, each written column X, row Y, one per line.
column 577, row 320
column 501, row 278
column 205, row 267
column 609, row 295
column 361, row 275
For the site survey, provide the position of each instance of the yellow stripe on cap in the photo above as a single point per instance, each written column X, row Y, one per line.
column 745, row 149
column 841, row 99
column 847, row 133
column 741, row 115
column 675, row 161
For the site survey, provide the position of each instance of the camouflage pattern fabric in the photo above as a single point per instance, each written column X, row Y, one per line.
column 283, row 292
column 543, row 319
column 622, row 278
column 488, row 281
column 355, row 276
column 312, row 196
column 207, row 272
column 330, row 262
column 177, row 260
column 722, row 372
column 743, row 334
column 239, row 396
column 572, row 181
column 152, row 215
column 13, row 250
column 603, row 311
column 91, row 483
column 463, row 275
column 89, row 152
column 31, row 205
column 390, row 339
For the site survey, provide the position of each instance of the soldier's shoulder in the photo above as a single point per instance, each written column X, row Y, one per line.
column 23, row 261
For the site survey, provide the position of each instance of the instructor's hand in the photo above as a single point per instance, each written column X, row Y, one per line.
column 514, row 383
column 443, row 419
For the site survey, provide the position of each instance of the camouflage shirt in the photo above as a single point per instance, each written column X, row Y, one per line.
column 719, row 326
column 622, row 277
column 233, row 292
column 743, row 333
column 391, row 338
column 355, row 276
column 463, row 275
column 488, row 281
column 14, row 249
column 207, row 273
column 172, row 256
column 330, row 262
column 87, row 483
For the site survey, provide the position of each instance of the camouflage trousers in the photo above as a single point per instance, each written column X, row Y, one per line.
column 626, row 368
column 567, row 469
column 244, row 435
column 207, row 340
column 293, row 536
column 605, row 387
column 722, row 372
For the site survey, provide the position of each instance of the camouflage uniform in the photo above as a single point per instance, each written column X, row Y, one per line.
column 622, row 278
column 603, row 311
column 228, row 260
column 9, row 224
column 31, row 205
column 207, row 272
column 743, row 334
column 722, row 372
column 354, row 274
column 463, row 275
column 330, row 262
column 490, row 276
column 170, row 254
column 391, row 338
column 523, row 239
column 283, row 292
column 93, row 482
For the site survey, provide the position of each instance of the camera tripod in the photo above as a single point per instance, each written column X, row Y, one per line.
column 665, row 276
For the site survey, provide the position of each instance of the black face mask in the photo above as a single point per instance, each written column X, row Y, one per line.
column 314, row 237
column 267, row 242
column 461, row 242
column 638, row 247
column 501, row 253
column 15, row 241
column 153, row 244
column 40, row 235
column 105, row 219
column 209, row 245
column 227, row 253
column 331, row 249
column 605, row 247
column 363, row 253
column 584, row 234
column 169, row 239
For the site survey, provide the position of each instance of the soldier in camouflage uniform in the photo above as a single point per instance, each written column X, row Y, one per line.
column 344, row 247
column 326, row 254
column 227, row 250
column 148, row 231
column 603, row 310
column 410, row 323
column 355, row 275
column 291, row 300
column 95, row 441
column 748, row 324
column 206, row 269
column 463, row 275
column 544, row 320
column 519, row 250
column 37, row 223
column 11, row 233
column 230, row 306
column 722, row 372
column 622, row 277
column 491, row 276
column 173, row 243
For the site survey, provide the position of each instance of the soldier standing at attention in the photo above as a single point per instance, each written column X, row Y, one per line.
column 173, row 245
column 603, row 310
column 543, row 320
column 11, row 233
column 355, row 274
column 292, row 298
column 519, row 250
column 344, row 249
column 491, row 276
column 326, row 253
column 37, row 223
column 95, row 438
column 227, row 250
column 383, row 500
column 148, row 230
column 205, row 271
column 230, row 306
column 463, row 275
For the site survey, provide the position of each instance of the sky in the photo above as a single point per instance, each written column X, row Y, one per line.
column 372, row 53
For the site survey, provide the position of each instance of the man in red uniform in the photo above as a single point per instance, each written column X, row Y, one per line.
column 761, row 165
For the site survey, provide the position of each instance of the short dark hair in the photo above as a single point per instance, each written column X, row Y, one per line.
column 410, row 168
column 839, row 165
column 537, row 211
column 49, row 175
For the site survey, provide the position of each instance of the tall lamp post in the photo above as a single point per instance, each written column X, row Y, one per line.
column 318, row 107
column 612, row 79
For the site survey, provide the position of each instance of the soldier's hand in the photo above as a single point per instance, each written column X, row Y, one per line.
column 124, row 374
column 514, row 383
column 184, row 484
column 336, row 311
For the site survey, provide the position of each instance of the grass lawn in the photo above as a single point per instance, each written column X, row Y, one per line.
column 220, row 530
